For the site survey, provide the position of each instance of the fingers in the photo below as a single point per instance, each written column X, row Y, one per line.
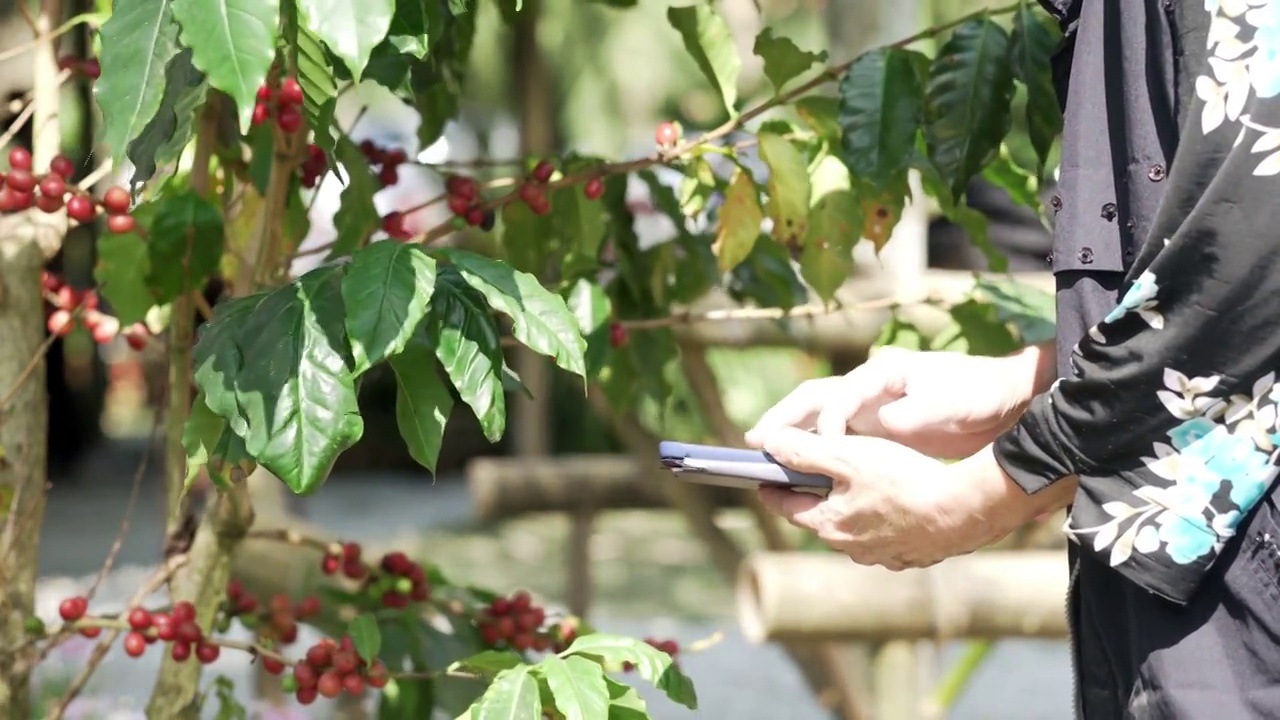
column 806, row 452
column 799, row 409
column 794, row 507
column 866, row 385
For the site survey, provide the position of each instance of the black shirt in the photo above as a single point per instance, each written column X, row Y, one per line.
column 1167, row 232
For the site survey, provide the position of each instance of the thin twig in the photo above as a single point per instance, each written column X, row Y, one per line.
column 26, row 373
column 30, row 45
column 134, row 491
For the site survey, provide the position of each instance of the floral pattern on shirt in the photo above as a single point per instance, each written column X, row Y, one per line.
column 1218, row 461
column 1244, row 60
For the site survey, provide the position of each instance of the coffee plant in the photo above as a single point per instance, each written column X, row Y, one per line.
column 224, row 114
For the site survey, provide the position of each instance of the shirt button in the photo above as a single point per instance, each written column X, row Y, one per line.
column 1109, row 212
column 1156, row 173
column 1167, row 5
column 1086, row 256
column 1055, row 202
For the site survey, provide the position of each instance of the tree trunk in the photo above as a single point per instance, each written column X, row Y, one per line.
column 24, row 413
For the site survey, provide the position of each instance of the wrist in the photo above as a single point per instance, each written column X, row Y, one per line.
column 993, row 495
column 1036, row 369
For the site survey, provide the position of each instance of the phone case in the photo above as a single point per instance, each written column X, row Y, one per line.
column 735, row 467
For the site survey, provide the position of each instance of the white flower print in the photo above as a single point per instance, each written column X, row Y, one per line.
column 1140, row 298
column 1244, row 62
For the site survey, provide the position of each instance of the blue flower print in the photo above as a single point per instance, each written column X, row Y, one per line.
column 1142, row 291
column 1187, row 539
column 1190, row 432
column 1264, row 66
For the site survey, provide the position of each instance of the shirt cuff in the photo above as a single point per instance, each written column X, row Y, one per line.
column 1035, row 453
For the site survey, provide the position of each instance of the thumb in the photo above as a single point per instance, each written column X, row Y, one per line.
column 807, row 452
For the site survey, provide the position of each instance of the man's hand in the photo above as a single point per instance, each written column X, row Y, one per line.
column 943, row 404
column 894, row 507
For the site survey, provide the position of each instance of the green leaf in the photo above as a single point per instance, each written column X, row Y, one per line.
column 881, row 106
column 350, row 29
column 435, row 102
column 423, row 403
column 291, row 376
column 821, row 114
column 707, row 38
column 407, row 699
column 121, row 271
column 138, row 41
column 205, row 437
column 386, row 291
column 767, row 277
column 366, row 636
column 900, row 333
column 1032, row 311
column 218, row 360
column 788, row 186
column 185, row 245
column 967, row 102
column 165, row 136
column 740, row 219
column 416, row 27
column 835, row 225
column 512, row 696
column 315, row 77
column 1035, row 40
column 539, row 317
column 977, row 330
column 652, row 664
column 234, row 43
column 578, row 686
column 624, row 702
column 592, row 308
column 488, row 662
column 357, row 216
column 1021, row 185
column 526, row 237
column 783, row 60
column 467, row 344
column 580, row 223
column 229, row 707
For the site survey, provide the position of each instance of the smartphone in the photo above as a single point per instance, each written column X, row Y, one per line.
column 738, row 468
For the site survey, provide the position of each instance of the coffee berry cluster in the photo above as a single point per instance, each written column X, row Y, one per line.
column 331, row 668
column 89, row 68
column 514, row 622
column 396, row 582
column 275, row 623
column 282, row 102
column 67, row 305
column 22, row 189
column 177, row 627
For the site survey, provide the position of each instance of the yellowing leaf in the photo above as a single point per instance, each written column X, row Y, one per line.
column 788, row 187
column 740, row 219
column 879, row 217
column 834, row 227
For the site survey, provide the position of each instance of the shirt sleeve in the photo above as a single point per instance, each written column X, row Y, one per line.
column 1169, row 417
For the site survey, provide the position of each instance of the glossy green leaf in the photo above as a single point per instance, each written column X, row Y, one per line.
column 835, row 226
column 881, row 107
column 788, row 186
column 288, row 372
column 185, row 244
column 540, row 319
column 218, row 359
column 707, row 38
column 416, row 26
column 488, row 661
column 138, row 41
column 579, row 222
column 350, row 29
column 365, row 635
column 357, row 216
column 624, row 702
column 315, row 77
column 740, row 219
column 121, row 270
column 652, row 664
column 233, row 42
column 783, row 60
column 577, row 685
column 386, row 291
column 467, row 344
column 203, row 435
column 165, row 136
column 423, row 403
column 512, row 696
column 1031, row 49
column 967, row 102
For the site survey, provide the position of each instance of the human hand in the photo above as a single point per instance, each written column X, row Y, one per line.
column 943, row 404
column 893, row 506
